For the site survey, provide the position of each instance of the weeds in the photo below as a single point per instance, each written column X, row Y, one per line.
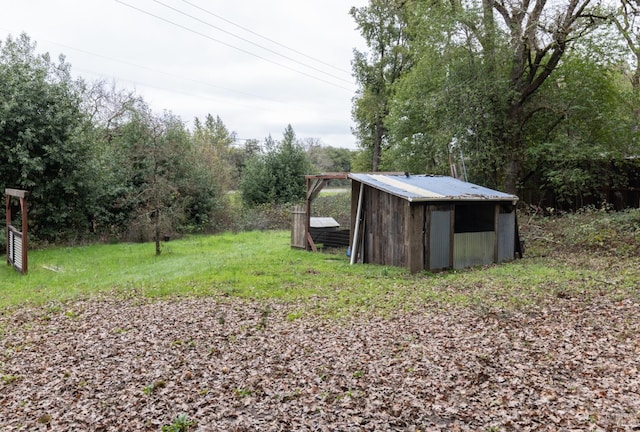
column 8, row 379
column 151, row 388
column 182, row 423
column 242, row 392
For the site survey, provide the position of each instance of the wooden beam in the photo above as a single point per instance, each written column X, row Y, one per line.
column 25, row 236
column 354, row 247
column 329, row 176
column 307, row 216
column 496, row 230
column 18, row 193
column 8, row 220
column 415, row 237
column 311, row 243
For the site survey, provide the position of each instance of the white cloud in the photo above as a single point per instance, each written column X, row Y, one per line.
column 193, row 69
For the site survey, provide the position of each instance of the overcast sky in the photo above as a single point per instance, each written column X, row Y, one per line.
column 258, row 64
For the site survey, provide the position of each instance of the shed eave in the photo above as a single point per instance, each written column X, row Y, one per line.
column 406, row 188
column 514, row 200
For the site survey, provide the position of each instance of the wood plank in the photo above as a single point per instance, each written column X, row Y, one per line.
column 16, row 193
column 414, row 238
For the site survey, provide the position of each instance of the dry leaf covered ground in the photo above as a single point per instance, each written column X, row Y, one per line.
column 231, row 365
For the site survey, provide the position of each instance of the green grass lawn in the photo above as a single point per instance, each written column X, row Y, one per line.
column 261, row 265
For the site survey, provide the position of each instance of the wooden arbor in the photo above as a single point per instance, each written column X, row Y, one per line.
column 17, row 240
column 315, row 183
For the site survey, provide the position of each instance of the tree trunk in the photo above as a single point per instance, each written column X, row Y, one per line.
column 156, row 233
column 377, row 146
column 514, row 147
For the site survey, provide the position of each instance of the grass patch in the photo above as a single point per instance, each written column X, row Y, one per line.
column 250, row 265
column 261, row 265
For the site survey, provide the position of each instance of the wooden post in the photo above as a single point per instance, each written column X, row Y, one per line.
column 414, row 233
column 307, row 219
column 496, row 230
column 8, row 220
column 24, row 234
column 354, row 247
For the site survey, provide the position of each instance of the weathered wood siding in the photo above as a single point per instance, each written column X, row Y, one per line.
column 385, row 228
column 298, row 230
column 426, row 235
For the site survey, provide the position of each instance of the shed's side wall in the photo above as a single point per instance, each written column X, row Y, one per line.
column 385, row 229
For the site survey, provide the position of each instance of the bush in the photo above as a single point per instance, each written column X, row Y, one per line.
column 589, row 230
column 335, row 205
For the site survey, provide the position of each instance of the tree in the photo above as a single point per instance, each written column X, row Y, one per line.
column 214, row 142
column 627, row 21
column 479, row 77
column 584, row 129
column 43, row 138
column 539, row 35
column 383, row 24
column 277, row 176
column 325, row 159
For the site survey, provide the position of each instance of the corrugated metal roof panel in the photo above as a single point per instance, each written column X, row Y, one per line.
column 323, row 222
column 431, row 188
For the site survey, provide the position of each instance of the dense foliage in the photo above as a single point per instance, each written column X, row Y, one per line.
column 42, row 144
column 277, row 176
column 518, row 91
column 99, row 164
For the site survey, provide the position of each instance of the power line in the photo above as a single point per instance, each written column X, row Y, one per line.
column 154, row 70
column 251, row 42
column 170, row 90
column 266, row 38
column 230, row 46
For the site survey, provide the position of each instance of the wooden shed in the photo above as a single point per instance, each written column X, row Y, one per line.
column 426, row 222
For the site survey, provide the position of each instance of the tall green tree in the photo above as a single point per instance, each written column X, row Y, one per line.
column 584, row 129
column 42, row 138
column 627, row 22
column 383, row 25
column 277, row 176
column 477, row 81
column 326, row 159
column 214, row 142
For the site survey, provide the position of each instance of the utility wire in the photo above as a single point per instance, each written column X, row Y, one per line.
column 248, row 30
column 154, row 70
column 251, row 42
column 231, row 46
column 219, row 99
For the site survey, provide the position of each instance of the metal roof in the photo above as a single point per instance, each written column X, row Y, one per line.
column 416, row 188
column 323, row 222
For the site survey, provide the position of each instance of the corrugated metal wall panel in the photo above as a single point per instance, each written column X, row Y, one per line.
column 471, row 249
column 506, row 236
column 439, row 240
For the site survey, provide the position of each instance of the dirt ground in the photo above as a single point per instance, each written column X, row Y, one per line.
column 113, row 365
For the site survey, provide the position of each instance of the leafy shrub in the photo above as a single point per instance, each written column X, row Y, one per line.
column 182, row 423
column 335, row 205
column 590, row 229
